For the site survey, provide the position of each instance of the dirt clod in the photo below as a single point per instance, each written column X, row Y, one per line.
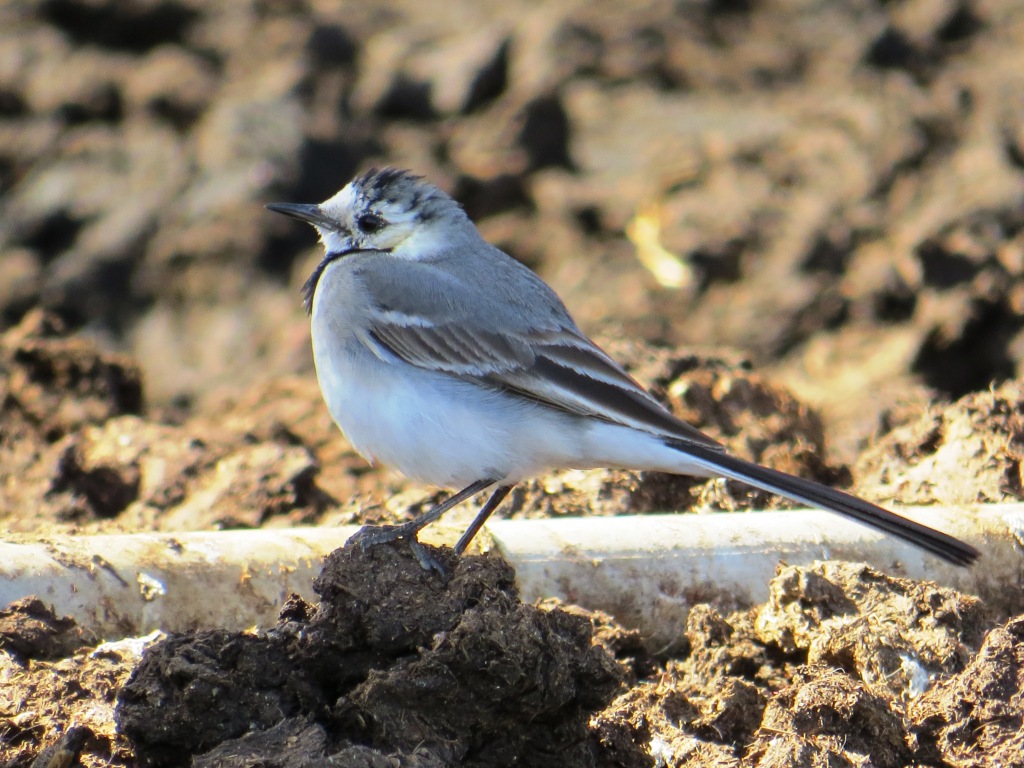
column 29, row 629
column 976, row 718
column 396, row 659
column 967, row 452
column 827, row 718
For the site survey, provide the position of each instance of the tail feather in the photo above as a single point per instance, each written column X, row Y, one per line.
column 940, row 544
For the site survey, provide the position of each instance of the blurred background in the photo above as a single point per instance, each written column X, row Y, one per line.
column 832, row 189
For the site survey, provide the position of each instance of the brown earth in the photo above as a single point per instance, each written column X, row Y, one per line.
column 827, row 203
column 396, row 666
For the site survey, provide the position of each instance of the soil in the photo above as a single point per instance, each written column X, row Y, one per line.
column 802, row 227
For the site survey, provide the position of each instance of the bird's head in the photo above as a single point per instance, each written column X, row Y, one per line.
column 387, row 210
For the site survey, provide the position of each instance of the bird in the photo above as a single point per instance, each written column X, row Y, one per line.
column 443, row 357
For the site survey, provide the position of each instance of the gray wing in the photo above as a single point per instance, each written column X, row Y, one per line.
column 514, row 334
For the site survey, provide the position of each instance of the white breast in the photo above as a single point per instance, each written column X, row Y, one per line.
column 430, row 426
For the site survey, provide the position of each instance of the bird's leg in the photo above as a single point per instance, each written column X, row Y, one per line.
column 485, row 512
column 372, row 535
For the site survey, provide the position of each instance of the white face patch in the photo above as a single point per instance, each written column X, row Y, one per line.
column 341, row 205
column 338, row 208
column 335, row 242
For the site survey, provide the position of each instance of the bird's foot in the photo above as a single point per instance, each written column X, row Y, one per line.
column 373, row 535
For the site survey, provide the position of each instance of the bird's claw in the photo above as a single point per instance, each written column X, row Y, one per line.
column 373, row 535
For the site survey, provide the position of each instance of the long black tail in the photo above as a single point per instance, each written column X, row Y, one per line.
column 809, row 492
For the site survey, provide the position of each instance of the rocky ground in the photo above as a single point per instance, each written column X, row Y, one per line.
column 801, row 224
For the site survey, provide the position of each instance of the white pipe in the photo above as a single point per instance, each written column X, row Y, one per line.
column 646, row 571
column 131, row 584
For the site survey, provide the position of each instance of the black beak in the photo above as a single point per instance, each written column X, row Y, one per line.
column 309, row 213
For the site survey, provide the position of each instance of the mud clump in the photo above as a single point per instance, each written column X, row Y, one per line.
column 29, row 629
column 892, row 634
column 52, row 709
column 395, row 662
column 977, row 717
column 833, row 669
column 54, row 382
column 966, row 452
column 832, row 718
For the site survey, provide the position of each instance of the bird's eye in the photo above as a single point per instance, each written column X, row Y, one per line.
column 369, row 223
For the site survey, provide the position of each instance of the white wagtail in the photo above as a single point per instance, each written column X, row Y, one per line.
column 442, row 356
